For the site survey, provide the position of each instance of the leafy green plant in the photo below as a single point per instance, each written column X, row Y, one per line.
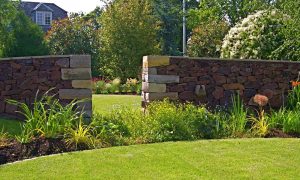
column 238, row 116
column 115, row 85
column 110, row 129
column 291, row 122
column 47, row 117
column 79, row 135
column 26, row 134
column 100, row 87
column 260, row 124
column 293, row 100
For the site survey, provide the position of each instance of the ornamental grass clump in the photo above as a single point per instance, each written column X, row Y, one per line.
column 47, row 117
column 237, row 116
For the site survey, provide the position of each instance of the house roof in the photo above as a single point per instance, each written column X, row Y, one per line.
column 29, row 7
column 42, row 5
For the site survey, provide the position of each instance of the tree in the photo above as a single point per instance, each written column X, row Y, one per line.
column 206, row 39
column 25, row 38
column 256, row 37
column 290, row 49
column 128, row 32
column 76, row 35
column 19, row 36
column 230, row 10
column 170, row 15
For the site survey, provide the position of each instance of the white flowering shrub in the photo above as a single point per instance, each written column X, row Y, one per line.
column 255, row 37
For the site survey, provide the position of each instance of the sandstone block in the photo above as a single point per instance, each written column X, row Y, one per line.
column 80, row 61
column 147, row 97
column 75, row 93
column 76, row 74
column 150, row 71
column 154, row 61
column 153, row 87
column 162, row 79
column 86, row 107
column 82, row 84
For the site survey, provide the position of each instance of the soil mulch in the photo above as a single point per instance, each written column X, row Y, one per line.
column 13, row 150
column 276, row 133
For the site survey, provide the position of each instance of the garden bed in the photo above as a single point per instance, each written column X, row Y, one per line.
column 15, row 151
column 12, row 150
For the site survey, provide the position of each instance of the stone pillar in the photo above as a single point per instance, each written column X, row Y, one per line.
column 154, row 86
column 79, row 73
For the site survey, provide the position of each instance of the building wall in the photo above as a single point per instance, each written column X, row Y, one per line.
column 21, row 79
column 214, row 81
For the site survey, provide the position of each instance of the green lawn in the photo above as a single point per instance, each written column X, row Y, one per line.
column 106, row 103
column 208, row 159
column 11, row 126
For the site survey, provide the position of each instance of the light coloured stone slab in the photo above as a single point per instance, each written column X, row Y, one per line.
column 87, row 105
column 82, row 84
column 153, row 87
column 80, row 61
column 75, row 93
column 148, row 97
column 162, row 79
column 150, row 71
column 155, row 61
column 76, row 74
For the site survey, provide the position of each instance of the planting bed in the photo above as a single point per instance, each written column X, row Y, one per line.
column 13, row 150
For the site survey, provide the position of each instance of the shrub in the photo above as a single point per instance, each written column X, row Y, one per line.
column 287, row 120
column 75, row 35
column 133, row 85
column 100, row 87
column 111, row 129
column 256, row 37
column 206, row 39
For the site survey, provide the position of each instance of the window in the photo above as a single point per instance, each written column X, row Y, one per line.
column 43, row 18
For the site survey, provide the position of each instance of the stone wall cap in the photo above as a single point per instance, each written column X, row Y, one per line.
column 237, row 60
column 42, row 57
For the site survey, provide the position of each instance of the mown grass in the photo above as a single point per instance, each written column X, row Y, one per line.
column 105, row 103
column 11, row 126
column 207, row 159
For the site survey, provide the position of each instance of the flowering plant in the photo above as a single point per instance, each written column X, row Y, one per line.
column 255, row 37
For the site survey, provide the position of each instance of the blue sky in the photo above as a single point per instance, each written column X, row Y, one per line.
column 74, row 5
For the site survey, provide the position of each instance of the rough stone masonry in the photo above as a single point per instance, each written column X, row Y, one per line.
column 214, row 81
column 22, row 77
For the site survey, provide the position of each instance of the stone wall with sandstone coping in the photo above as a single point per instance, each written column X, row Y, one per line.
column 22, row 77
column 214, row 81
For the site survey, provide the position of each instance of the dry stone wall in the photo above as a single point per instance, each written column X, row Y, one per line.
column 22, row 77
column 214, row 81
